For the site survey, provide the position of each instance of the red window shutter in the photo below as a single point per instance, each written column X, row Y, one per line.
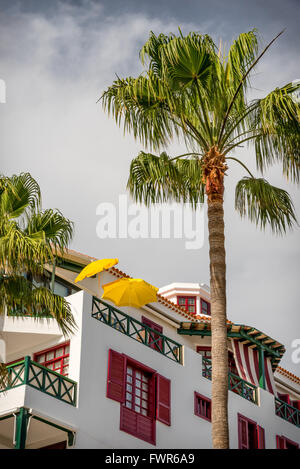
column 116, row 376
column 137, row 425
column 260, row 437
column 280, row 442
column 243, row 432
column 163, row 399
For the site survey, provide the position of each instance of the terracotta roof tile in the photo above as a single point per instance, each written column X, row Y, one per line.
column 288, row 374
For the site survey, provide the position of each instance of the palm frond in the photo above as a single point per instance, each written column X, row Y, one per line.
column 157, row 179
column 20, row 193
column 265, row 204
column 276, row 118
column 187, row 60
column 19, row 251
column 58, row 307
column 241, row 55
column 57, row 230
column 20, row 296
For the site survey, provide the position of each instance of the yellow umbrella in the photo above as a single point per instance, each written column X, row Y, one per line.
column 130, row 292
column 96, row 267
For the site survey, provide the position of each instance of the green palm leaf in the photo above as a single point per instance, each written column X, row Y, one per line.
column 21, row 193
column 157, row 179
column 264, row 204
column 18, row 294
column 29, row 239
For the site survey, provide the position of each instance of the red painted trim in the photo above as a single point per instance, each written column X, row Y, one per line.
column 199, row 397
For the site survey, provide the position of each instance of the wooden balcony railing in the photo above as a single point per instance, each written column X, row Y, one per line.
column 39, row 377
column 235, row 383
column 136, row 330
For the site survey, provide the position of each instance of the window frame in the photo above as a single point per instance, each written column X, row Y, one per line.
column 126, row 412
column 60, row 358
column 259, row 433
column 286, row 440
column 201, row 306
column 185, row 306
column 207, row 406
column 159, row 397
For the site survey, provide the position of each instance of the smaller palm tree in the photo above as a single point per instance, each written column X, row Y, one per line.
column 29, row 239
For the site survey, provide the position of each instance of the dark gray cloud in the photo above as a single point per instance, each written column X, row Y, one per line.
column 57, row 57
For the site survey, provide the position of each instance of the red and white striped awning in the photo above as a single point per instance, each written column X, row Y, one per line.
column 247, row 363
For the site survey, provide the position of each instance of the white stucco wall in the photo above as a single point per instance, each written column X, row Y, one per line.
column 97, row 418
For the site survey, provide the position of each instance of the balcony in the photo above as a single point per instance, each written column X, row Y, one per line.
column 136, row 330
column 287, row 412
column 27, row 372
column 235, row 383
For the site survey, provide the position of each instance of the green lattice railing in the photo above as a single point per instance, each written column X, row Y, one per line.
column 235, row 383
column 39, row 377
column 287, row 412
column 136, row 330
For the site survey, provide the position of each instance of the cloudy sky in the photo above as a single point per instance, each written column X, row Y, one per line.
column 56, row 59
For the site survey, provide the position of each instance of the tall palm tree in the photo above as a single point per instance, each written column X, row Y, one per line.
column 29, row 239
column 195, row 91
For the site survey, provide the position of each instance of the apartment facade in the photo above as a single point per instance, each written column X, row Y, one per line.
column 138, row 378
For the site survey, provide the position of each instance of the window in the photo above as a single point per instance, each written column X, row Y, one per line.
column 283, row 443
column 154, row 340
column 144, row 395
column 204, row 351
column 137, row 390
column 55, row 358
column 202, row 406
column 205, row 307
column 187, row 302
column 251, row 435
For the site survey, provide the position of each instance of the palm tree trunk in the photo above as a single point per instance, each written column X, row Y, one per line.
column 220, row 434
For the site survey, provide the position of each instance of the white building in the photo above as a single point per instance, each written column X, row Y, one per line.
column 138, row 378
